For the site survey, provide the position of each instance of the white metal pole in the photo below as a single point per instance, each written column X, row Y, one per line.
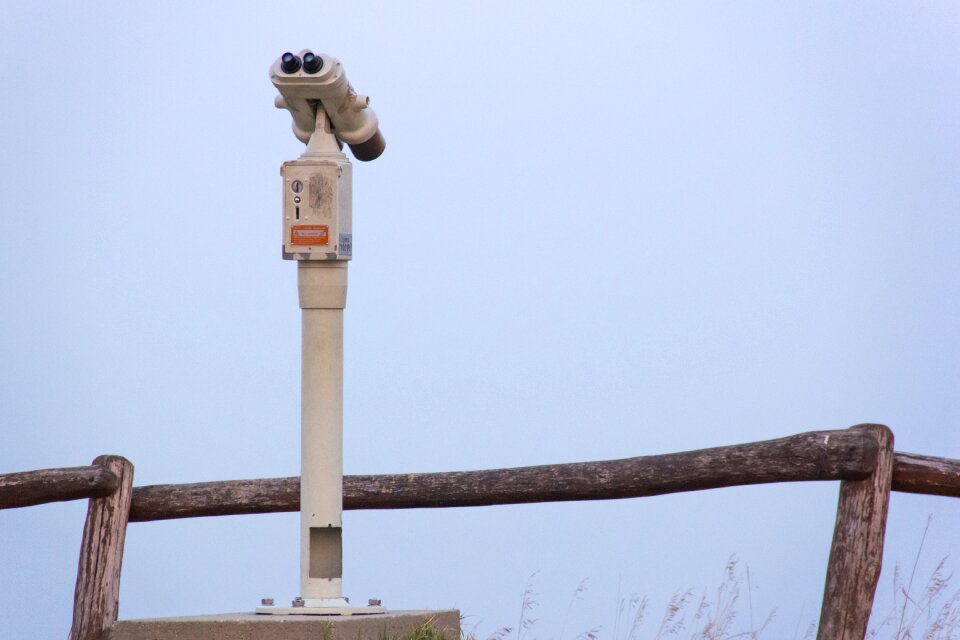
column 322, row 290
column 317, row 233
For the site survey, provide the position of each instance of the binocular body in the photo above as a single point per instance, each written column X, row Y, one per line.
column 309, row 81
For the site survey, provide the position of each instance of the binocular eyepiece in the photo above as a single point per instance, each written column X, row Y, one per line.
column 312, row 62
column 291, row 63
column 311, row 81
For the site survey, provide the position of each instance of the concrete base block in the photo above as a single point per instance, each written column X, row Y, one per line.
column 397, row 625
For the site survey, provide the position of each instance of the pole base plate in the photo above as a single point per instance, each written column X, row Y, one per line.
column 320, row 611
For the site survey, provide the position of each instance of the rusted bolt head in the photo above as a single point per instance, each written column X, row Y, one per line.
column 267, row 602
column 298, row 601
column 373, row 602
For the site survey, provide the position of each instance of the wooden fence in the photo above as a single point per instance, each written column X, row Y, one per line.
column 861, row 458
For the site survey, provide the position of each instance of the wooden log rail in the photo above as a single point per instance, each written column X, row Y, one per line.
column 818, row 455
column 926, row 474
column 30, row 488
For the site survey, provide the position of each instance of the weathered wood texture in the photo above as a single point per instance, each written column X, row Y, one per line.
column 926, row 474
column 28, row 488
column 818, row 455
column 857, row 550
column 95, row 600
column 223, row 498
column 912, row 473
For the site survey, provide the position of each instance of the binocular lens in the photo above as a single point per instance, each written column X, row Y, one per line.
column 312, row 62
column 289, row 63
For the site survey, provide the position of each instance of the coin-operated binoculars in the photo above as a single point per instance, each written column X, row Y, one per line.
column 317, row 233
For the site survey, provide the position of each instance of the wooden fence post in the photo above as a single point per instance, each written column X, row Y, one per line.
column 857, row 551
column 97, row 593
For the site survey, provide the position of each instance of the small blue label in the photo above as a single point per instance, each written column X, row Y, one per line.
column 346, row 244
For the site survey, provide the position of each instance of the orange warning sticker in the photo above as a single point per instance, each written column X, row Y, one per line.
column 310, row 234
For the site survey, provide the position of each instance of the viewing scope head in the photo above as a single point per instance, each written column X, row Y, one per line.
column 308, row 81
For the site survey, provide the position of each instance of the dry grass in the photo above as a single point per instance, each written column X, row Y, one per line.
column 931, row 614
column 697, row 618
column 685, row 616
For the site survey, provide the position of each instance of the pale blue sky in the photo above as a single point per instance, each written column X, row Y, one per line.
column 596, row 232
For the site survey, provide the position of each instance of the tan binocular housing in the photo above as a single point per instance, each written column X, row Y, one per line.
column 309, row 80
